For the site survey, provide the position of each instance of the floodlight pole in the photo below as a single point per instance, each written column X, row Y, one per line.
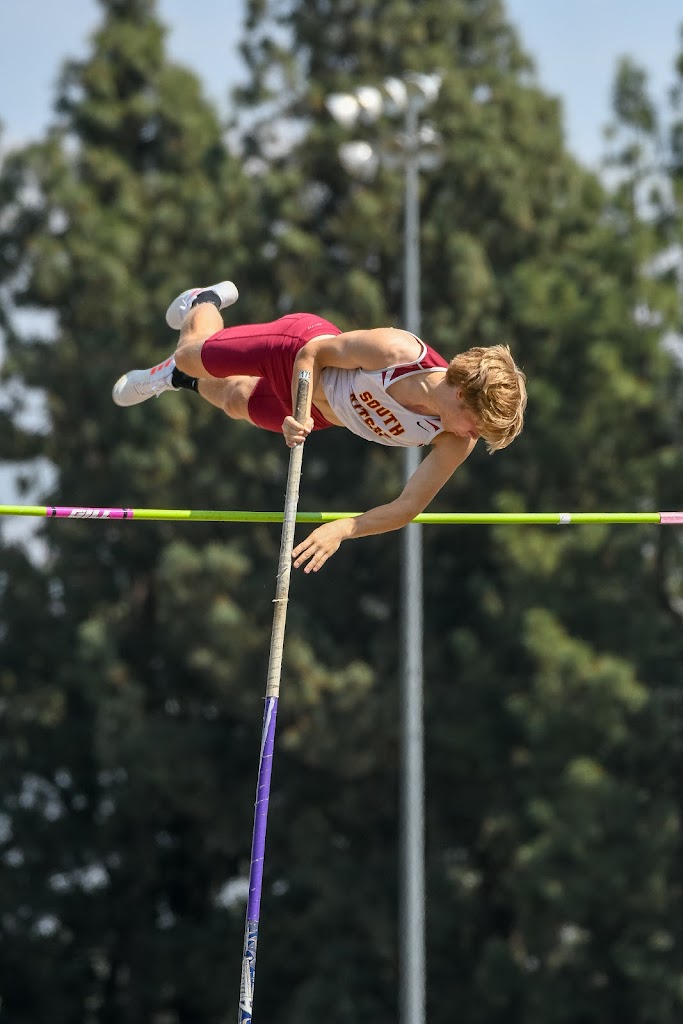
column 409, row 95
column 412, row 947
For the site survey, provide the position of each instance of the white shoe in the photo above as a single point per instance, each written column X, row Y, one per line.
column 180, row 307
column 138, row 385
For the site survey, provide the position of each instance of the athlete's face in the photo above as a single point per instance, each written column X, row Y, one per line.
column 460, row 421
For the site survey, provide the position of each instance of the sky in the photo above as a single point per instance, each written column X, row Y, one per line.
column 575, row 46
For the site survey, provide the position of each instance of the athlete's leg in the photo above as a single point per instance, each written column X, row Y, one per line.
column 202, row 322
column 196, row 323
column 231, row 394
column 208, row 351
column 245, row 398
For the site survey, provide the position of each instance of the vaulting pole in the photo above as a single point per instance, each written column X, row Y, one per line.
column 277, row 642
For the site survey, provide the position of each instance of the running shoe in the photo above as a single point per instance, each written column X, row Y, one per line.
column 180, row 307
column 138, row 385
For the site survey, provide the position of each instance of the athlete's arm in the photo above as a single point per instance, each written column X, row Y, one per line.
column 448, row 452
column 369, row 350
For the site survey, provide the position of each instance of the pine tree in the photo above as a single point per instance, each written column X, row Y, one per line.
column 126, row 653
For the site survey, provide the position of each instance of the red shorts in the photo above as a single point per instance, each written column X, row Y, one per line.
column 266, row 351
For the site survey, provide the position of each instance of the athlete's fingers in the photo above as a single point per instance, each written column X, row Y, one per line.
column 317, row 562
column 294, row 432
column 302, row 553
column 308, row 549
column 314, row 554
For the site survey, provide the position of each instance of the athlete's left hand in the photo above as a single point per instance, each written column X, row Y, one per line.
column 319, row 546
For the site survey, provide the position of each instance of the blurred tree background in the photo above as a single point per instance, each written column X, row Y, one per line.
column 132, row 658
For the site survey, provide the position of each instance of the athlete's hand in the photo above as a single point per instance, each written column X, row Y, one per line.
column 319, row 546
column 296, row 433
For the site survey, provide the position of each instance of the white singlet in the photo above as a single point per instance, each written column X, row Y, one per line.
column 359, row 399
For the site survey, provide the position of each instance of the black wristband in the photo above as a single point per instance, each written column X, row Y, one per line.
column 207, row 296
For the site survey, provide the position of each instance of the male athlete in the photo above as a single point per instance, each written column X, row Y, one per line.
column 383, row 384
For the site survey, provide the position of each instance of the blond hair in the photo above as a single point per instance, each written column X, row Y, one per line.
column 493, row 389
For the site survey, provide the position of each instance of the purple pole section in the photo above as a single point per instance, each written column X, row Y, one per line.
column 258, row 843
column 671, row 518
column 258, row 849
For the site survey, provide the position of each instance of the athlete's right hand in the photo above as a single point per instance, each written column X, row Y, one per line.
column 295, row 433
column 320, row 544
